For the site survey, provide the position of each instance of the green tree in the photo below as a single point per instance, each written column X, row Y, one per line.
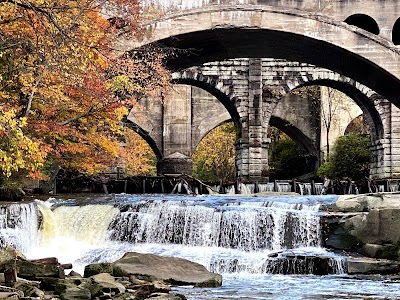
column 350, row 159
column 214, row 159
column 287, row 159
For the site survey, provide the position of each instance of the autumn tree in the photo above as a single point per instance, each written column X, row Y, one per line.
column 140, row 159
column 214, row 159
column 64, row 85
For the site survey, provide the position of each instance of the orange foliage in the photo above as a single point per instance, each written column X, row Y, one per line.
column 59, row 70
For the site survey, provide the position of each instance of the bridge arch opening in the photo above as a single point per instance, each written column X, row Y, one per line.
column 214, row 155
column 396, row 32
column 363, row 21
column 366, row 104
column 291, row 152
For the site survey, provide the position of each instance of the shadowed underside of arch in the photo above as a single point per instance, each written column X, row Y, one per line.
column 215, row 34
column 295, row 134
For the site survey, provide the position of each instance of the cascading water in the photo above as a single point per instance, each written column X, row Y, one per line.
column 247, row 239
column 19, row 226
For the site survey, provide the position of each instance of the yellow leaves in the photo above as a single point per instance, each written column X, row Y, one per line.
column 214, row 158
column 59, row 64
column 17, row 151
column 139, row 157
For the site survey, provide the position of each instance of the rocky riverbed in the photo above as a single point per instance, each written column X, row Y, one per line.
column 366, row 227
column 134, row 276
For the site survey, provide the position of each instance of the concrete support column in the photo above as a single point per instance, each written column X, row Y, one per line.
column 177, row 133
column 252, row 147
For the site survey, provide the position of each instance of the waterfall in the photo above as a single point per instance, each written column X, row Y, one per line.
column 19, row 226
column 247, row 188
column 393, row 187
column 234, row 237
column 318, row 188
column 68, row 232
column 244, row 226
column 225, row 234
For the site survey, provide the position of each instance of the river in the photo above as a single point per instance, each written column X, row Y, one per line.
column 254, row 242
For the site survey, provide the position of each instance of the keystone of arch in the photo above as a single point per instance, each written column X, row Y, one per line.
column 223, row 32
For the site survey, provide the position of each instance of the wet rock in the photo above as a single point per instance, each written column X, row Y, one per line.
column 378, row 226
column 298, row 264
column 76, row 293
column 337, row 233
column 170, row 269
column 373, row 250
column 172, row 296
column 32, row 270
column 98, row 268
column 6, row 292
column 74, row 274
column 104, row 284
column 372, row 266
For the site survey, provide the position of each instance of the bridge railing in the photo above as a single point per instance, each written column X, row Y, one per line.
column 189, row 4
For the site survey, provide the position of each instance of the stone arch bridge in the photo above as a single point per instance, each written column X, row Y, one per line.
column 251, row 53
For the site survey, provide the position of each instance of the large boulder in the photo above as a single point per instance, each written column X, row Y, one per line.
column 366, row 202
column 31, row 270
column 169, row 269
column 378, row 226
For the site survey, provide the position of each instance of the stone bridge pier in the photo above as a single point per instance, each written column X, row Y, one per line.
column 235, row 90
column 256, row 93
column 255, row 112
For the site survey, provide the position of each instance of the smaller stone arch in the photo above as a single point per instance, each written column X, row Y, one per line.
column 313, row 154
column 211, row 129
column 356, row 91
column 145, row 135
column 363, row 21
column 220, row 89
column 396, row 32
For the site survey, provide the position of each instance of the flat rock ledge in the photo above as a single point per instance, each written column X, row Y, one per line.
column 368, row 266
column 366, row 202
column 172, row 270
column 368, row 225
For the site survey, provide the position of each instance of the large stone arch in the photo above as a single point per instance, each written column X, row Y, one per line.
column 217, row 33
column 373, row 106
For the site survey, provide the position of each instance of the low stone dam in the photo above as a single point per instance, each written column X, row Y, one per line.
column 264, row 247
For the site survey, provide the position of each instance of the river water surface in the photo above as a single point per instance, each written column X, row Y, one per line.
column 253, row 242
